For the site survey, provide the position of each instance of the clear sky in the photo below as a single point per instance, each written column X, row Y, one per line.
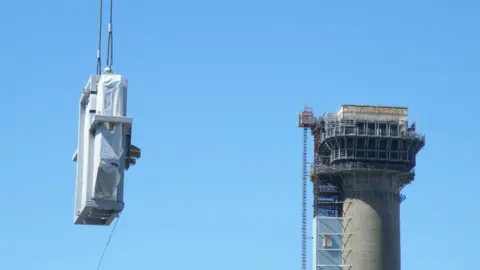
column 215, row 88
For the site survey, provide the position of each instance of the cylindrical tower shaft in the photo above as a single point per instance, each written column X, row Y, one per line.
column 372, row 220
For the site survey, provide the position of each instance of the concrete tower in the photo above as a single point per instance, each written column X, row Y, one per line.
column 364, row 156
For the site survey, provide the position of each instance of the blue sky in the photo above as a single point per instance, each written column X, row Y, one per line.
column 215, row 88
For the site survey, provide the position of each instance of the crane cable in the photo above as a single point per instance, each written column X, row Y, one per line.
column 109, row 56
column 99, row 49
column 110, row 38
column 99, row 70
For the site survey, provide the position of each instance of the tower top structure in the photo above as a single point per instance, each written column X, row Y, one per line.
column 363, row 157
column 372, row 113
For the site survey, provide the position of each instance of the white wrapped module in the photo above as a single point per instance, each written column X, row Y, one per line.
column 109, row 137
column 103, row 152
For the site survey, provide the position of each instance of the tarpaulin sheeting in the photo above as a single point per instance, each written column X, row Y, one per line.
column 109, row 154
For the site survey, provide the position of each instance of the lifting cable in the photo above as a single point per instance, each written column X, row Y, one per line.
column 110, row 38
column 99, row 49
column 109, row 56
column 109, row 63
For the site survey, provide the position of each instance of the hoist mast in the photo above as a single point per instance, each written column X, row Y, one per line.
column 305, row 121
column 104, row 151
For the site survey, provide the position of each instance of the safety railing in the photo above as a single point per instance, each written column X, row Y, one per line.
column 352, row 131
column 322, row 168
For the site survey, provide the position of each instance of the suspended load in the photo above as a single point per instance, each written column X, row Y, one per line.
column 104, row 149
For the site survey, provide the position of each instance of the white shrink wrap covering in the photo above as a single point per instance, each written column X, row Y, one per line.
column 111, row 96
column 109, row 144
